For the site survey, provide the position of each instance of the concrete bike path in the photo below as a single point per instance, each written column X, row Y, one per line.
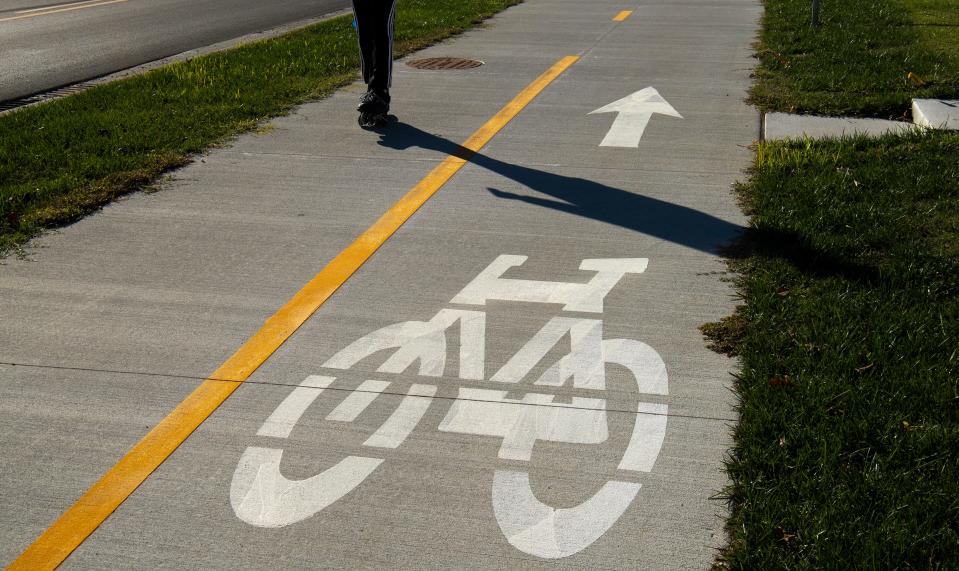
column 514, row 378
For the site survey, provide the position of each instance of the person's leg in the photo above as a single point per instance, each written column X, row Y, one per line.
column 382, row 75
column 365, row 15
column 374, row 26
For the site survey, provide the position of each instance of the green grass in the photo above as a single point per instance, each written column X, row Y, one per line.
column 64, row 159
column 937, row 22
column 847, row 454
column 859, row 60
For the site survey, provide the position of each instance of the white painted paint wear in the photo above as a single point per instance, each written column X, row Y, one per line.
column 262, row 496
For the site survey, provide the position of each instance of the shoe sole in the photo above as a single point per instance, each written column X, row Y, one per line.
column 373, row 107
column 371, row 120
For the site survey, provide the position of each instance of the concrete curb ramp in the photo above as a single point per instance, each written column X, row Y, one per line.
column 787, row 126
column 936, row 113
column 927, row 114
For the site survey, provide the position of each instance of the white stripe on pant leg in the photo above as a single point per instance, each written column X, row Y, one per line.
column 389, row 73
column 359, row 45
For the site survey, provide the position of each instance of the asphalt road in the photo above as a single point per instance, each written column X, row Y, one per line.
column 49, row 44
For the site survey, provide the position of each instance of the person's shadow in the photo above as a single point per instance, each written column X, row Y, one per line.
column 581, row 197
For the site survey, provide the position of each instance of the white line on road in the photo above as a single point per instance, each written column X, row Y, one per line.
column 55, row 6
column 70, row 7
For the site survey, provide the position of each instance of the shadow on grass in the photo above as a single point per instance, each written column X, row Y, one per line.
column 798, row 251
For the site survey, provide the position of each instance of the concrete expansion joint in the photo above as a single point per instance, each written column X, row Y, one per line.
column 440, row 381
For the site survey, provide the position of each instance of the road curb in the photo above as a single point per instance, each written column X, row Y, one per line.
column 78, row 87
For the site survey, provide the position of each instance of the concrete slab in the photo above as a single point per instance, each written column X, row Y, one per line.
column 787, row 126
column 936, row 113
column 467, row 474
column 60, row 429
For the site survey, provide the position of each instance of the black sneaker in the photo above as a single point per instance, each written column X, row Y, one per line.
column 375, row 103
column 373, row 120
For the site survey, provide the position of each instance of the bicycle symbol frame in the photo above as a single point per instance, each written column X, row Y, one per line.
column 262, row 496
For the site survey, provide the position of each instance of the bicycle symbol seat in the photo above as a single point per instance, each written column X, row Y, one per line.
column 262, row 496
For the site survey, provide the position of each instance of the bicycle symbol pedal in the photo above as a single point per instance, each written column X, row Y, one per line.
column 262, row 496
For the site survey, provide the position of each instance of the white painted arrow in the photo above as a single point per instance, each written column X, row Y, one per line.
column 634, row 113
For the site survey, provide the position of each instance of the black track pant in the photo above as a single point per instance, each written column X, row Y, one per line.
column 374, row 24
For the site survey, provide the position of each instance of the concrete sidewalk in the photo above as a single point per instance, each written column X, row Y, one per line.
column 457, row 408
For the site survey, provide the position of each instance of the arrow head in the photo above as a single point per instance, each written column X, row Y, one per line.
column 644, row 102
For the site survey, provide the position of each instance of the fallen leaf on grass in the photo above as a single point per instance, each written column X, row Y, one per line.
column 915, row 79
column 787, row 538
column 779, row 58
column 781, row 381
column 782, row 292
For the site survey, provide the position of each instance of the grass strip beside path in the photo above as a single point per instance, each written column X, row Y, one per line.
column 68, row 157
column 847, row 452
column 847, row 455
column 859, row 61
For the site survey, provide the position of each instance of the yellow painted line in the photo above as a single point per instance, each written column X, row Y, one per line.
column 623, row 15
column 61, row 10
column 45, row 8
column 96, row 505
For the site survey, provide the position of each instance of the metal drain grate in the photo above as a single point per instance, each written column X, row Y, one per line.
column 12, row 104
column 444, row 63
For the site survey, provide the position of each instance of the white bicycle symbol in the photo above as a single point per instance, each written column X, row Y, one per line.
column 262, row 496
